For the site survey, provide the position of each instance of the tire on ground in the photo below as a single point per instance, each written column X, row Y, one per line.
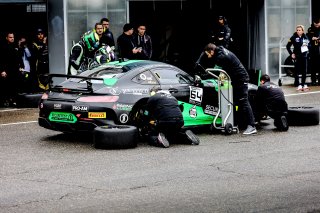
column 115, row 137
column 303, row 116
column 28, row 100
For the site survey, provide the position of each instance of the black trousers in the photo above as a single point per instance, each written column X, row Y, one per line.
column 245, row 115
column 315, row 66
column 172, row 129
column 300, row 69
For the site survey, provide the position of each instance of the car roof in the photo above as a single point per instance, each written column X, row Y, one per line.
column 130, row 65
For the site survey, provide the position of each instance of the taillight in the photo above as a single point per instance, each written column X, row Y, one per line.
column 99, row 99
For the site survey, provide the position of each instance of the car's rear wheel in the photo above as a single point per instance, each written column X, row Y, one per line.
column 115, row 137
column 303, row 116
column 138, row 119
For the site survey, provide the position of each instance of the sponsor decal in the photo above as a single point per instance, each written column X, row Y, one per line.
column 193, row 112
column 211, row 110
column 123, row 118
column 62, row 117
column 133, row 91
column 124, row 107
column 196, row 94
column 80, row 108
column 115, row 91
column 143, row 77
column 57, row 106
column 97, row 115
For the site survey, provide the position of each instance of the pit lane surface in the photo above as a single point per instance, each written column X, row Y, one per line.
column 47, row 171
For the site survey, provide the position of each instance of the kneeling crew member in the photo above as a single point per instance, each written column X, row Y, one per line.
column 164, row 110
column 271, row 101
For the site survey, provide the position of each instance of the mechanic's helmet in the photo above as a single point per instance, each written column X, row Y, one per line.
column 91, row 40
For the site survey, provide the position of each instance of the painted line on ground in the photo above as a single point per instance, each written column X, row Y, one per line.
column 13, row 109
column 26, row 122
column 301, row 93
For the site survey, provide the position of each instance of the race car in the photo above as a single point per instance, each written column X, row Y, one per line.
column 116, row 93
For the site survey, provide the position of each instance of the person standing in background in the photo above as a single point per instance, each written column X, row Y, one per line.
column 221, row 36
column 300, row 43
column 107, row 36
column 314, row 38
column 25, row 54
column 144, row 41
column 40, row 58
column 10, row 71
column 127, row 47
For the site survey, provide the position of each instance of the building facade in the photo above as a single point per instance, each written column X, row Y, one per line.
column 260, row 28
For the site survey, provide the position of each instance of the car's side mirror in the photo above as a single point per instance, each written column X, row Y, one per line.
column 197, row 79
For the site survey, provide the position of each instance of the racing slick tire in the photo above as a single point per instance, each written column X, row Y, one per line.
column 303, row 116
column 115, row 137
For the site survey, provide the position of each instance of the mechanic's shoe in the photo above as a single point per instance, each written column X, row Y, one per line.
column 281, row 123
column 299, row 88
column 284, row 123
column 250, row 130
column 194, row 140
column 306, row 88
column 162, row 140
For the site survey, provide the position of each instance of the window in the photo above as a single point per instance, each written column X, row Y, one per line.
column 172, row 76
column 145, row 78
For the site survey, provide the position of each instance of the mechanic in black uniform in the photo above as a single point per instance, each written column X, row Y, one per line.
column 270, row 101
column 166, row 120
column 314, row 38
column 218, row 55
column 222, row 34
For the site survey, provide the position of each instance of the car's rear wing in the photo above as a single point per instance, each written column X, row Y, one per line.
column 60, row 88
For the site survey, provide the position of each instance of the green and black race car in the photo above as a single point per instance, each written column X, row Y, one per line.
column 115, row 94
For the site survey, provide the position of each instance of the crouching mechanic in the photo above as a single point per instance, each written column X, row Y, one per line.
column 166, row 121
column 271, row 102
